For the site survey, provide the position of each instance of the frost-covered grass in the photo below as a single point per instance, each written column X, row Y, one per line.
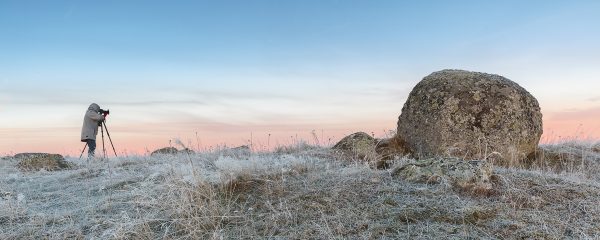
column 294, row 192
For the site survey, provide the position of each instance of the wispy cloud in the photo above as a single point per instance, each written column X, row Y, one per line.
column 147, row 97
column 576, row 114
column 594, row 99
column 243, row 95
column 155, row 102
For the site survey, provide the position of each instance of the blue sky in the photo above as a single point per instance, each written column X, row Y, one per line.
column 228, row 68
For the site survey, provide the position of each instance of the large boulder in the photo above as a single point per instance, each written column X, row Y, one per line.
column 470, row 115
column 38, row 161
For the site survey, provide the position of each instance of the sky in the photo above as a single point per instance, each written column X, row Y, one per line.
column 272, row 73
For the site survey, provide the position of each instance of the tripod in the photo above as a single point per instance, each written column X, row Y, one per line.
column 102, row 127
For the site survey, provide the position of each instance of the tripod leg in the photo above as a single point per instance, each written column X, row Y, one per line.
column 110, row 139
column 103, row 149
column 82, row 151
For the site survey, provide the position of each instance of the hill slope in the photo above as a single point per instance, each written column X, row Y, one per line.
column 302, row 192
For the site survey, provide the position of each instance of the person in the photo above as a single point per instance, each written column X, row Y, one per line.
column 91, row 121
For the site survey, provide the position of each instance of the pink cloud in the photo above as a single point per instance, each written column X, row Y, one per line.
column 595, row 99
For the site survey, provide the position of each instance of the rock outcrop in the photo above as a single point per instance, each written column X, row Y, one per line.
column 38, row 161
column 170, row 150
column 453, row 171
column 242, row 148
column 379, row 152
column 165, row 150
column 239, row 152
column 360, row 144
column 469, row 115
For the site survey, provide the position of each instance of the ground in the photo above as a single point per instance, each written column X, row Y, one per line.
column 297, row 192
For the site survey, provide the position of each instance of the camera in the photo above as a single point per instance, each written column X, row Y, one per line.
column 104, row 112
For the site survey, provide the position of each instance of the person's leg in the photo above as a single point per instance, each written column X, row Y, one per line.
column 91, row 147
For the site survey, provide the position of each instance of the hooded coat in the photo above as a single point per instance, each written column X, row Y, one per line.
column 91, row 120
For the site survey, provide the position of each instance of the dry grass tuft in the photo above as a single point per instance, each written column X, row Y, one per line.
column 483, row 191
column 201, row 210
column 570, row 157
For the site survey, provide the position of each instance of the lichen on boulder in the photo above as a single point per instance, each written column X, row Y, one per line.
column 470, row 115
column 453, row 171
column 38, row 161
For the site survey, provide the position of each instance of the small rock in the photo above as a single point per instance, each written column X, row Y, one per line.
column 171, row 150
column 596, row 148
column 240, row 152
column 459, row 173
column 38, row 161
column 165, row 150
column 360, row 145
column 29, row 155
column 243, row 148
column 186, row 150
column 5, row 195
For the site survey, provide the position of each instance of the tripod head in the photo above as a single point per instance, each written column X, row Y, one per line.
column 104, row 112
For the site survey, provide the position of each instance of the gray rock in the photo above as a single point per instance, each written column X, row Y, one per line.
column 454, row 171
column 186, row 150
column 38, row 161
column 165, row 150
column 170, row 150
column 243, row 148
column 5, row 195
column 469, row 115
column 596, row 148
column 361, row 144
column 377, row 151
column 29, row 155
column 239, row 152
